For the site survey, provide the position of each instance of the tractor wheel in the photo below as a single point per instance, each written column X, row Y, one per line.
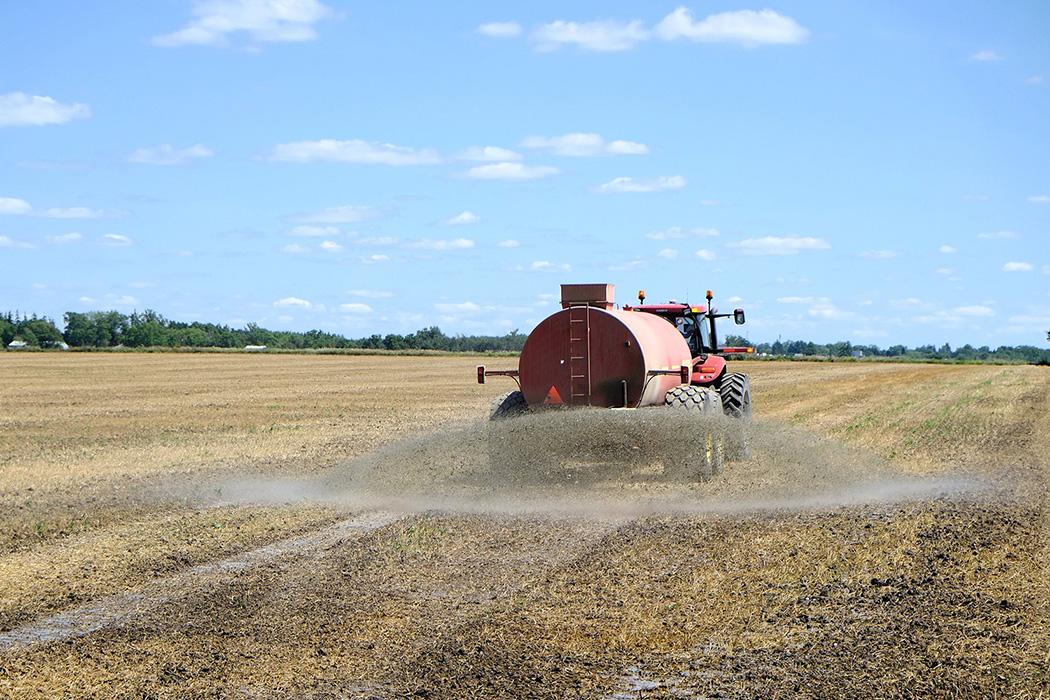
column 736, row 396
column 711, row 453
column 510, row 405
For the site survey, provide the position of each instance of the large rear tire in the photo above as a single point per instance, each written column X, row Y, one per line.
column 735, row 391
column 706, row 403
column 509, row 405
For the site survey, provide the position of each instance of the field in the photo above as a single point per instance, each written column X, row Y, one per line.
column 165, row 531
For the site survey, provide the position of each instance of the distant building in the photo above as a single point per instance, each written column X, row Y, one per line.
column 17, row 345
column 857, row 353
column 255, row 348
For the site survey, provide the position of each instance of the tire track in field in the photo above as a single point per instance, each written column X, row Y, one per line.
column 120, row 608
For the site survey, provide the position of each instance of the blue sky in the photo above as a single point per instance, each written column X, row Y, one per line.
column 872, row 172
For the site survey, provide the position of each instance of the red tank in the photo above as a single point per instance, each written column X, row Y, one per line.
column 591, row 354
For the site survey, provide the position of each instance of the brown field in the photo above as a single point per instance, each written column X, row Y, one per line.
column 127, row 570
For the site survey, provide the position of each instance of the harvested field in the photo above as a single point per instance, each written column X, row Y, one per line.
column 321, row 526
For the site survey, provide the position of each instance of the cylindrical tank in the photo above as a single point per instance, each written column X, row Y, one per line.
column 590, row 356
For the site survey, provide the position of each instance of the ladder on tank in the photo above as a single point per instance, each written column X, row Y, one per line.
column 580, row 355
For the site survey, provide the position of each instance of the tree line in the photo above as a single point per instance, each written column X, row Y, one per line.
column 107, row 329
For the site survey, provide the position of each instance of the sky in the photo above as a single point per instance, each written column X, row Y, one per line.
column 872, row 172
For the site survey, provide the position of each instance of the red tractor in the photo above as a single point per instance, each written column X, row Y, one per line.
column 592, row 353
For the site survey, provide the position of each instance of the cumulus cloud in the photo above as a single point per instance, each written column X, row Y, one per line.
column 947, row 249
column 375, row 258
column 311, row 231
column 986, row 55
column 510, row 171
column 352, row 151
column 975, row 310
column 376, row 240
column 509, row 243
column 997, row 235
column 116, row 240
column 1018, row 267
column 818, row 307
column 776, row 245
column 74, row 213
column 488, row 154
column 1039, row 199
column 453, row 244
column 20, row 109
column 14, row 205
column 355, row 308
column 705, row 254
column 500, row 30
column 669, row 253
column 263, row 21
column 63, row 238
column 879, row 254
column 1034, row 80
column 8, row 242
column 548, row 266
column 674, row 232
column 745, row 27
column 292, row 303
column 466, row 307
column 295, row 249
column 166, row 154
column 630, row 184
column 331, row 246
column 345, row 214
column 584, row 145
column 462, row 219
column 602, row 35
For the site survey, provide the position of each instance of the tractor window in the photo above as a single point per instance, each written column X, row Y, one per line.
column 687, row 326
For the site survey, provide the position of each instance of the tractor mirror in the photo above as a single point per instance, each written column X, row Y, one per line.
column 738, row 316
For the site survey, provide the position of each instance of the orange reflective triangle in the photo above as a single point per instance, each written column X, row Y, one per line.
column 553, row 397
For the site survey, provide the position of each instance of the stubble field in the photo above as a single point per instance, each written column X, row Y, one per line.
column 165, row 531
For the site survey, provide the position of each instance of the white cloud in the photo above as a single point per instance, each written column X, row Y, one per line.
column 376, row 240
column 463, row 218
column 630, row 184
column 629, row 265
column 1018, row 267
column 310, row 231
column 745, row 27
column 352, row 151
column 14, row 205
column 166, row 154
column 674, row 232
column 488, row 154
column 1045, row 269
column 375, row 258
column 580, row 144
column 705, row 254
column 370, row 293
column 466, row 307
column 775, row 245
column 669, row 253
column 879, row 254
column 123, row 300
column 819, row 307
column 1034, row 80
column 986, row 55
column 116, row 240
column 65, row 238
column 355, row 308
column 20, row 109
column 453, row 244
column 602, row 35
column 1039, row 199
column 548, row 266
column 331, row 246
column 295, row 249
column 500, row 30
column 947, row 249
column 945, row 270
column 8, row 242
column 261, row 20
column 509, row 243
column 510, row 171
column 73, row 213
column 292, row 302
column 346, row 214
column 997, row 235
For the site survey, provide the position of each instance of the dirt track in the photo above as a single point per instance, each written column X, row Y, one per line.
column 107, row 464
